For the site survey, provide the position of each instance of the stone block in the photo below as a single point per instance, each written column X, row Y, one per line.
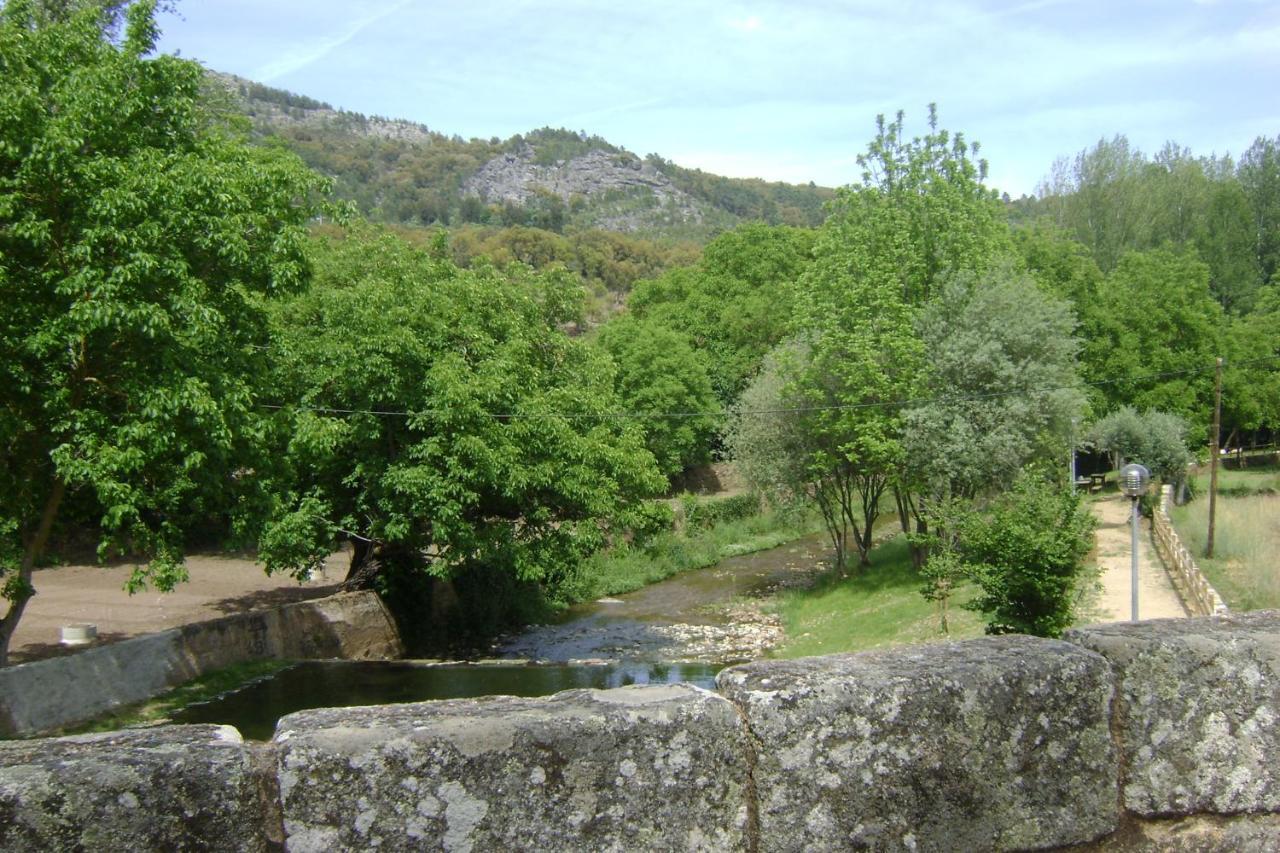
column 1197, row 711
column 165, row 788
column 993, row 744
column 636, row 768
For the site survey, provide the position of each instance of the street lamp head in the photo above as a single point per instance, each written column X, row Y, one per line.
column 1134, row 479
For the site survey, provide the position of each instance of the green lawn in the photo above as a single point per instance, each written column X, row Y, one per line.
column 880, row 605
column 1246, row 565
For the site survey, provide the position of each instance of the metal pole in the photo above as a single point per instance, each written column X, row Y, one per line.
column 1072, row 484
column 1134, row 572
column 1213, row 456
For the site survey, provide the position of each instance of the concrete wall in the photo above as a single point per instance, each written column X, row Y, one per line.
column 50, row 694
column 1160, row 735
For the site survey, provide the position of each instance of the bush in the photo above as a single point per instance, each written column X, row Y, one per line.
column 707, row 514
column 1026, row 554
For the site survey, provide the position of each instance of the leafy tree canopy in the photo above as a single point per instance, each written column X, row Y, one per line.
column 443, row 422
column 1025, row 552
column 1001, row 383
column 735, row 304
column 138, row 237
column 663, row 380
column 1157, row 332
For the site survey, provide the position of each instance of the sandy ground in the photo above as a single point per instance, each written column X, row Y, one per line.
column 1157, row 597
column 219, row 586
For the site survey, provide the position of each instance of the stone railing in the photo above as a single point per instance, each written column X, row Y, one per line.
column 1197, row 593
column 1158, row 735
column 59, row 692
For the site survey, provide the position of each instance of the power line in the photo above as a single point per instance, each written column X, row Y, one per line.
column 878, row 404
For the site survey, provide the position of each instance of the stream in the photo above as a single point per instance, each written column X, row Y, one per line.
column 709, row 615
column 685, row 628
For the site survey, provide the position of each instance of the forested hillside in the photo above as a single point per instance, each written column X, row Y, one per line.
column 555, row 179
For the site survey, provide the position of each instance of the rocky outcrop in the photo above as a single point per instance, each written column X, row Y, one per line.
column 636, row 768
column 518, row 178
column 994, row 744
column 1197, row 711
column 170, row 788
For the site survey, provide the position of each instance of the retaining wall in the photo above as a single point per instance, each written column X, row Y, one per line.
column 1197, row 593
column 50, row 694
column 1159, row 735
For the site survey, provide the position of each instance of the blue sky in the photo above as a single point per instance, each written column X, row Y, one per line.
column 778, row 90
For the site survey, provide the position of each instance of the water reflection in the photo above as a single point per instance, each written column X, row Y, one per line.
column 255, row 708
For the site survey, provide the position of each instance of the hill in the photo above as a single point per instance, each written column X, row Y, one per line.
column 402, row 172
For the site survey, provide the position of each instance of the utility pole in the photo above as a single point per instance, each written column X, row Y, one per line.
column 1213, row 455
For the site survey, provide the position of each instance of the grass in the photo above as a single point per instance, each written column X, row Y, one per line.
column 880, row 605
column 1245, row 568
column 629, row 568
column 160, row 708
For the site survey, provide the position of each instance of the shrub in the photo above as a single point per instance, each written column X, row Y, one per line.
column 1025, row 553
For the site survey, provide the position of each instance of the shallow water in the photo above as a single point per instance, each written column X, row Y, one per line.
column 630, row 639
column 638, row 626
column 255, row 708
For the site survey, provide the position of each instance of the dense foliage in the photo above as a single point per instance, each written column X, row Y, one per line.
column 1025, row 554
column 138, row 237
column 440, row 422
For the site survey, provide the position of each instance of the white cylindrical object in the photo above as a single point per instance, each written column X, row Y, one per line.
column 1134, row 566
column 79, row 635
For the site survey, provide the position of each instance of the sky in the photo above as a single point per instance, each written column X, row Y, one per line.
column 785, row 91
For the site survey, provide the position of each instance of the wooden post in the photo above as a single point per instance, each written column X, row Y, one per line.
column 1213, row 459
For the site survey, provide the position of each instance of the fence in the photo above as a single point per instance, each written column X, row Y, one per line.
column 1197, row 593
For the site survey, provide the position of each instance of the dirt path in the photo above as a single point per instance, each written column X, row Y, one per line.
column 1157, row 597
column 219, row 586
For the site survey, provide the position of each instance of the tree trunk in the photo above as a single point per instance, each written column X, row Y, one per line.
column 31, row 553
column 364, row 567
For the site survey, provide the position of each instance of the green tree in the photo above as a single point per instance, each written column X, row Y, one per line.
column 1025, row 552
column 735, row 304
column 1259, row 174
column 1158, row 332
column 920, row 212
column 1001, row 384
column 1251, row 377
column 139, row 234
column 764, row 435
column 445, row 426
column 1154, row 439
column 664, row 381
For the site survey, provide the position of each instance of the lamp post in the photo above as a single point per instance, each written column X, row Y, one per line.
column 1133, row 483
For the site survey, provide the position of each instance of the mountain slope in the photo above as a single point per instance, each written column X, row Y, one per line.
column 404, row 172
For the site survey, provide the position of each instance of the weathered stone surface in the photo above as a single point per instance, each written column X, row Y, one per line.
column 50, row 694
column 994, row 744
column 1197, row 711
column 1239, row 834
column 636, row 768
column 166, row 788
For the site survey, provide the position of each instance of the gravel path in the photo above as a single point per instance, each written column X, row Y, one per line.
column 1157, row 597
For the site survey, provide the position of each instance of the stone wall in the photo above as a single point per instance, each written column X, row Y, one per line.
column 51, row 694
column 1193, row 587
column 1159, row 735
